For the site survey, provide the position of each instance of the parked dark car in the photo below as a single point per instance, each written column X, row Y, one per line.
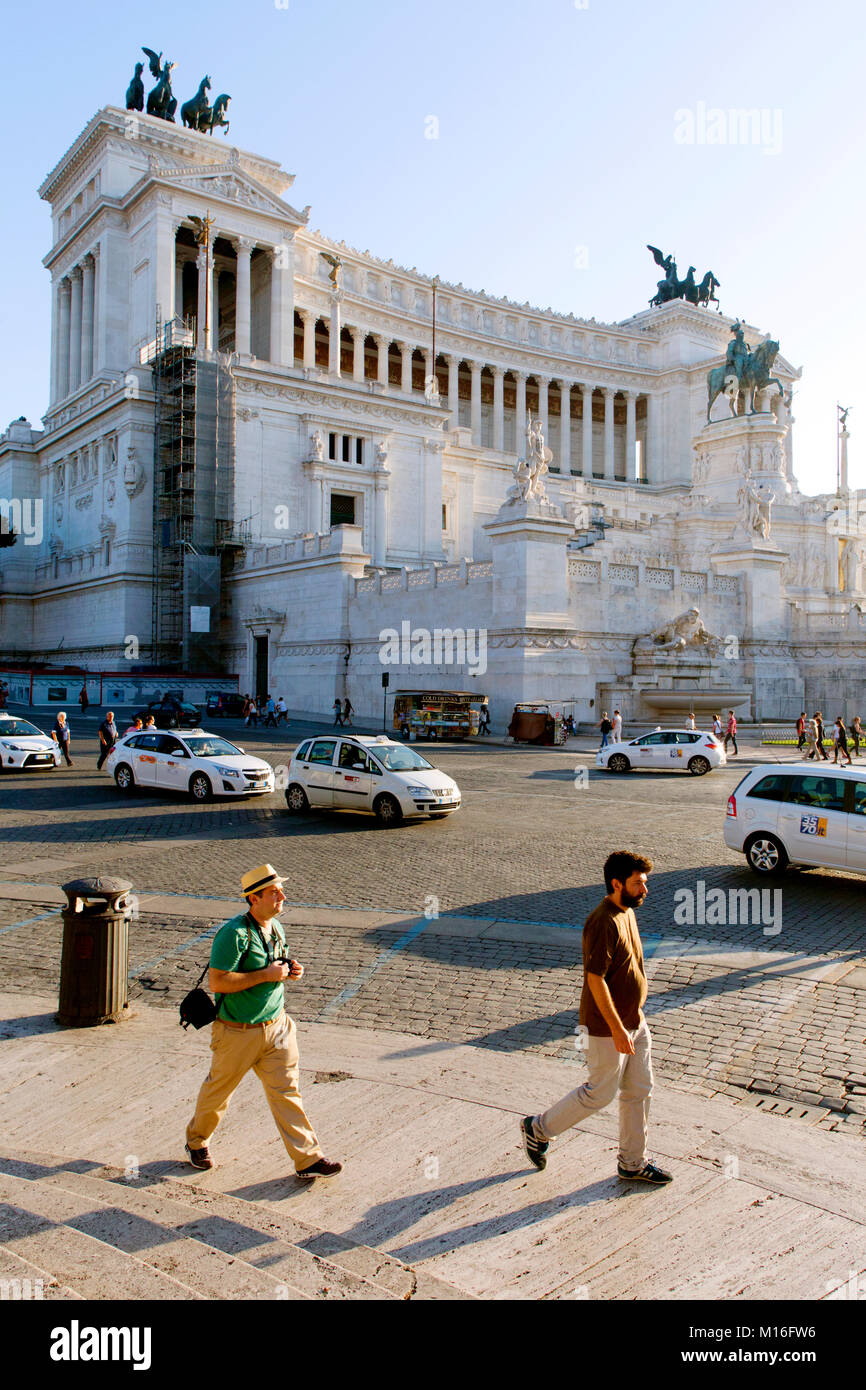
column 225, row 706
column 171, row 713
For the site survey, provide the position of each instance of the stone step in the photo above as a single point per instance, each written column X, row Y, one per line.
column 20, row 1280
column 402, row 1280
column 141, row 1251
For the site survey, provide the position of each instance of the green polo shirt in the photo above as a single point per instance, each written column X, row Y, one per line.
column 260, row 1002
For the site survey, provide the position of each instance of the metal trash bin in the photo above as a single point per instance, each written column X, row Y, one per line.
column 94, row 984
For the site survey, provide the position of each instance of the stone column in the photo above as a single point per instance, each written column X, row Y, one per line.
column 405, row 367
column 358, row 354
column 243, row 311
column 165, row 233
column 544, row 406
column 586, row 435
column 382, row 346
column 204, row 326
column 178, row 288
column 62, row 352
column 86, row 319
column 98, row 310
column 282, row 305
column 630, row 436
column 380, row 531
column 653, row 438
column 215, row 305
column 308, row 319
column 565, row 427
column 475, row 418
column 454, row 390
column 75, row 330
column 520, row 414
column 609, row 394
column 499, row 408
column 335, row 334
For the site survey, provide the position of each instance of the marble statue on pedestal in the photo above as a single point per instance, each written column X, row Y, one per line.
column 530, row 470
column 687, row 630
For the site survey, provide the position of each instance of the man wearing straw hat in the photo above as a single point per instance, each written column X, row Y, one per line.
column 248, row 964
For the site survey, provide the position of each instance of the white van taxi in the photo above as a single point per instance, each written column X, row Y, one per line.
column 196, row 762
column 23, row 747
column 674, row 749
column 378, row 775
column 800, row 814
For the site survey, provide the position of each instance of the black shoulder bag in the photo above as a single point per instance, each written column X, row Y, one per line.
column 197, row 1008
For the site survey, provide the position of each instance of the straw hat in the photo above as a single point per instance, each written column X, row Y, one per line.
column 265, row 876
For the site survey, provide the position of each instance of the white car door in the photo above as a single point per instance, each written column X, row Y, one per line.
column 318, row 772
column 145, row 759
column 353, row 781
column 649, row 750
column 813, row 823
column 857, row 830
column 174, row 764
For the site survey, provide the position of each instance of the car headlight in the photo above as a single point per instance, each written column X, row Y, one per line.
column 16, row 748
column 419, row 791
column 228, row 772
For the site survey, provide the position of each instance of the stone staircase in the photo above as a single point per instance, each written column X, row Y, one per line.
column 78, row 1230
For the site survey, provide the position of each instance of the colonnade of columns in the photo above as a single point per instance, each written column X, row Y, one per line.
column 76, row 352
column 592, row 461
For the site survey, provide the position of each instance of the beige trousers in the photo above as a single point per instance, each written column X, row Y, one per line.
column 610, row 1072
column 272, row 1053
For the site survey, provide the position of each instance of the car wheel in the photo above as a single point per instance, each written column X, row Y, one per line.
column 200, row 788
column 124, row 778
column 387, row 810
column 296, row 799
column 618, row 763
column 765, row 854
column 698, row 766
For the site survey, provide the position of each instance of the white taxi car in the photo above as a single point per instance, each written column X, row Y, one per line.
column 669, row 748
column 194, row 761
column 377, row 775
column 799, row 814
column 23, row 747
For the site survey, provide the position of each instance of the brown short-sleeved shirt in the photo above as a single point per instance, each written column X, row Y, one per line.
column 612, row 949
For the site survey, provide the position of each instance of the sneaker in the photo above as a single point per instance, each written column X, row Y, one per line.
column 536, row 1149
column 322, row 1168
column 199, row 1158
column 648, row 1173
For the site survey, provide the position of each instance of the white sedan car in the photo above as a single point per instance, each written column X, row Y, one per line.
column 23, row 747
column 368, row 774
column 194, row 761
column 667, row 748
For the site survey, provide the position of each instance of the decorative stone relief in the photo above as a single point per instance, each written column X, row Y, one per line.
column 133, row 474
column 84, row 501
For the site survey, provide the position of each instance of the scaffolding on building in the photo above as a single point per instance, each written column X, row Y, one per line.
column 193, row 497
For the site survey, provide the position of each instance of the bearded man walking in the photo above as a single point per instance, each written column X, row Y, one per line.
column 618, row 1045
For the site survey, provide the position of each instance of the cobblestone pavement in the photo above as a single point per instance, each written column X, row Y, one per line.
column 526, row 848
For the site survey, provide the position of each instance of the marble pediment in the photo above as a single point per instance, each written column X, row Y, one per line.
column 226, row 183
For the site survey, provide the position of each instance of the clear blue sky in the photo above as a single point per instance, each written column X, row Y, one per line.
column 557, row 130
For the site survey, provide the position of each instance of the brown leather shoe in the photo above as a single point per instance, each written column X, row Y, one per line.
column 199, row 1158
column 322, row 1168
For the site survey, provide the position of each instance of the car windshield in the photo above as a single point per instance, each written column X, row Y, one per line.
column 18, row 727
column 400, row 759
column 212, row 748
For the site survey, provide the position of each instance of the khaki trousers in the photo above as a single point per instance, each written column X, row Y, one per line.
column 610, row 1072
column 271, row 1051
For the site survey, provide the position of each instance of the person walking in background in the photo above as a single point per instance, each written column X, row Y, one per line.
column 62, row 734
column 107, row 737
column 605, row 726
column 252, row 714
column 819, row 720
column 271, row 712
column 717, row 728
column 347, row 711
column 690, row 722
column 856, row 731
column 616, row 731
column 338, row 713
column 82, row 699
column 135, row 727
column 801, row 731
column 282, row 711
column 612, row 1028
column 484, row 725
column 840, row 741
column 731, row 732
column 812, row 739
